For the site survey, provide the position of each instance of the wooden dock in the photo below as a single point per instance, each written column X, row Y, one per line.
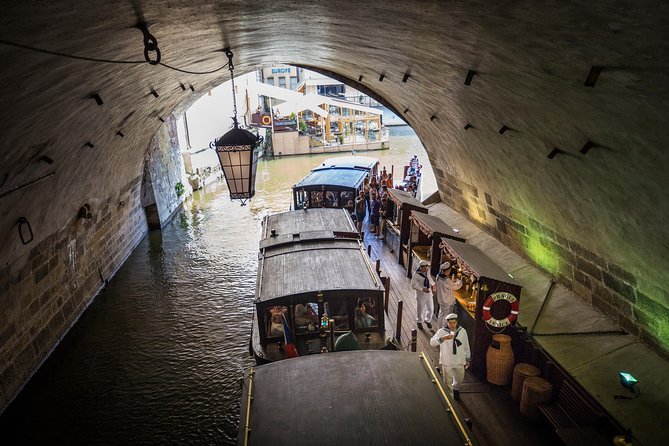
column 495, row 415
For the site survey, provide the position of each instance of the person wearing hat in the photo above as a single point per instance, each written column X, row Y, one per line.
column 454, row 353
column 422, row 282
column 446, row 293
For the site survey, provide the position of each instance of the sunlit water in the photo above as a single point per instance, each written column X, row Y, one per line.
column 157, row 357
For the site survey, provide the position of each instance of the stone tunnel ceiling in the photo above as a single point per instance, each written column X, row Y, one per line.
column 531, row 63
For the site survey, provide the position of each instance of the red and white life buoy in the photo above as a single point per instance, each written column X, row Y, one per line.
column 509, row 318
column 266, row 120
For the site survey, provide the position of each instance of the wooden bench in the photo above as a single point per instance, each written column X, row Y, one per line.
column 572, row 410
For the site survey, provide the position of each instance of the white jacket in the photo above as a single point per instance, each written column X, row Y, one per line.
column 446, row 290
column 446, row 356
column 417, row 282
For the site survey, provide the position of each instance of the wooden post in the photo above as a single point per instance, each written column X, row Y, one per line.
column 414, row 339
column 386, row 284
column 369, row 250
column 398, row 331
column 378, row 267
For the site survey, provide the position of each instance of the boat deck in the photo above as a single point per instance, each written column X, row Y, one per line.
column 495, row 415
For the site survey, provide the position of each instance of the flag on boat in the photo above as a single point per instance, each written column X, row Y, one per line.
column 288, row 340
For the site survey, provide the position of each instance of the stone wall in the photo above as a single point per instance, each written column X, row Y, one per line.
column 44, row 295
column 633, row 301
column 163, row 171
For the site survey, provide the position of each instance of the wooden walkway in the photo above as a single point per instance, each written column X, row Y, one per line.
column 495, row 415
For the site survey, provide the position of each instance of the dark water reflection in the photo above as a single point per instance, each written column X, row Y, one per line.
column 157, row 357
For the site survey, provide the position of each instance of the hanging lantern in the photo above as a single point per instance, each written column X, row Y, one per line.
column 237, row 153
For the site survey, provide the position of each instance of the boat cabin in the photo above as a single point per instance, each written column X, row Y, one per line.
column 349, row 398
column 357, row 162
column 488, row 301
column 315, row 283
column 398, row 226
column 329, row 187
column 427, row 231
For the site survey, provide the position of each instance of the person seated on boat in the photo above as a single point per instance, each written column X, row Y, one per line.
column 362, row 318
column 276, row 321
column 304, row 314
column 389, row 181
column 330, row 200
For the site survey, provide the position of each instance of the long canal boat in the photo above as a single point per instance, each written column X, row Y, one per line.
column 333, row 185
column 349, row 398
column 315, row 284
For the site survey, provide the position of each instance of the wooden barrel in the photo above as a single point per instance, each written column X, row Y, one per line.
column 499, row 360
column 535, row 391
column 521, row 371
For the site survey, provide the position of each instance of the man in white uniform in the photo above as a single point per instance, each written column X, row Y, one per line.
column 446, row 293
column 423, row 284
column 454, row 354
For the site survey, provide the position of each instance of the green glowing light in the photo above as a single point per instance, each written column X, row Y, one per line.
column 541, row 254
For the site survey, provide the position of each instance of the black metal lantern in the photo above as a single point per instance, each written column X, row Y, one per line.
column 237, row 153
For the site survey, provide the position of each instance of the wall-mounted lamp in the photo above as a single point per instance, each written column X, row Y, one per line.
column 503, row 129
column 46, row 159
column 155, row 93
column 85, row 212
column 382, row 77
column 406, row 77
column 24, row 226
column 360, row 78
column 627, row 380
column 120, row 133
column 406, row 110
column 161, row 119
column 183, row 87
column 470, row 76
column 468, row 126
column 433, row 117
column 89, row 144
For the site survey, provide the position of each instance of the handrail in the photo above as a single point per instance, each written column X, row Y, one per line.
column 451, row 409
column 248, row 408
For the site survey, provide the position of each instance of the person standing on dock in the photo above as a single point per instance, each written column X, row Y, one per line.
column 446, row 288
column 360, row 209
column 422, row 282
column 454, row 353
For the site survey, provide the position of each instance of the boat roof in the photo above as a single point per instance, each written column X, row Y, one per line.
column 307, row 224
column 333, row 177
column 359, row 162
column 435, row 226
column 314, row 265
column 355, row 397
column 477, row 261
column 403, row 197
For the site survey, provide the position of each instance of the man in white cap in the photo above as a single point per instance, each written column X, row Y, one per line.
column 454, row 354
column 446, row 293
column 422, row 282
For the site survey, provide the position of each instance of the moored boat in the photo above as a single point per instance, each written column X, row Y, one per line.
column 349, row 398
column 315, row 284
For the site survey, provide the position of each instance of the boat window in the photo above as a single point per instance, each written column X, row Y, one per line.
column 332, row 199
column 316, row 199
column 337, row 309
column 301, row 199
column 274, row 320
column 306, row 317
column 346, row 198
column 366, row 314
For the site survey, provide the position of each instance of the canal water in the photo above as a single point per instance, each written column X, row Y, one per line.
column 157, row 357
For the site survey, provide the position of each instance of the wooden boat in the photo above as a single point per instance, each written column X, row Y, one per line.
column 349, row 398
column 315, row 283
column 332, row 187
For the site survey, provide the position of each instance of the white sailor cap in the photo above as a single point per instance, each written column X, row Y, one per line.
column 445, row 265
column 451, row 316
column 423, row 263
